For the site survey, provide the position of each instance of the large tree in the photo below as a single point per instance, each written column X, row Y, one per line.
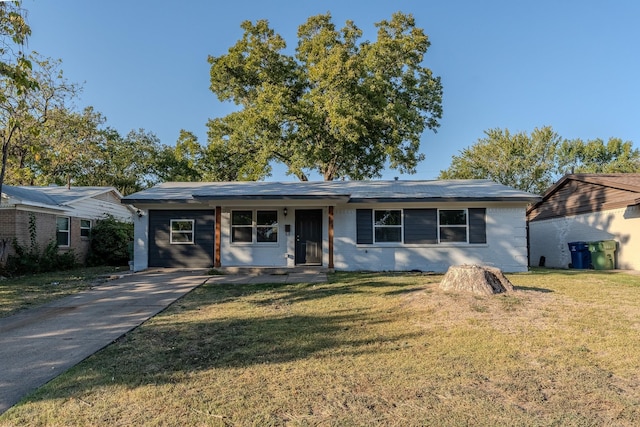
column 24, row 113
column 340, row 107
column 532, row 162
column 182, row 162
column 15, row 74
column 56, row 151
column 126, row 163
column 594, row 156
column 519, row 160
column 14, row 31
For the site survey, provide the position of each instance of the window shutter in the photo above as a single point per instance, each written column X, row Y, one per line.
column 364, row 226
column 421, row 226
column 477, row 225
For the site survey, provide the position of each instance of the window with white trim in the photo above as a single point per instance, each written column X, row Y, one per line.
column 182, row 232
column 387, row 226
column 85, row 227
column 241, row 226
column 259, row 228
column 453, row 225
column 267, row 226
column 63, row 230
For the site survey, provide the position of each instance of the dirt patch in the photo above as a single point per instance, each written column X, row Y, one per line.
column 508, row 312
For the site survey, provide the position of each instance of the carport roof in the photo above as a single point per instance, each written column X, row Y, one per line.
column 340, row 191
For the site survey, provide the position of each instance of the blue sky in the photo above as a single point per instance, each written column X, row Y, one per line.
column 573, row 65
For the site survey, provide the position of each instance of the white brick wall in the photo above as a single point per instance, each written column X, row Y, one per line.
column 279, row 254
column 549, row 237
column 506, row 247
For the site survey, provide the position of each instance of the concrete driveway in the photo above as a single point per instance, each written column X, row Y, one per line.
column 37, row 345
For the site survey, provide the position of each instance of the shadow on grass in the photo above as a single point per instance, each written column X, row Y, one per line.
column 190, row 340
column 567, row 272
column 343, row 284
column 532, row 289
column 406, row 291
column 164, row 354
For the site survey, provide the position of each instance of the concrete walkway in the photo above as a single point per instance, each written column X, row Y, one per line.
column 37, row 345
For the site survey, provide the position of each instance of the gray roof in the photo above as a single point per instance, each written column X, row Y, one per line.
column 346, row 191
column 54, row 196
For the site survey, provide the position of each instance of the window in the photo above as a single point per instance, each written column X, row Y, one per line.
column 241, row 226
column 85, row 227
column 62, row 231
column 388, row 226
column 267, row 226
column 421, row 226
column 182, row 231
column 452, row 225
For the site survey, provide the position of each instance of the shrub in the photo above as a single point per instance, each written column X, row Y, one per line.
column 30, row 260
column 110, row 240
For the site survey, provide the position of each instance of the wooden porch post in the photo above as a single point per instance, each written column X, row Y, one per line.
column 216, row 255
column 330, row 237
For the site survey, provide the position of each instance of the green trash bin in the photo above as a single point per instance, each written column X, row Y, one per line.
column 603, row 255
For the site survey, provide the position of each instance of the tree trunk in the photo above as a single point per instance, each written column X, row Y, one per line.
column 480, row 280
column 5, row 150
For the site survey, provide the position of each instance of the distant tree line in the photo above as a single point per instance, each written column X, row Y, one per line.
column 534, row 161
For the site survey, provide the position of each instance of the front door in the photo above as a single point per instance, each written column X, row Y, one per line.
column 309, row 237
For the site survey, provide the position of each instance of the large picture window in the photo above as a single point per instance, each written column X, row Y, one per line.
column 453, row 225
column 62, row 230
column 265, row 226
column 182, row 232
column 388, row 225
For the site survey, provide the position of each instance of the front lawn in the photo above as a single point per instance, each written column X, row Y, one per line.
column 29, row 291
column 367, row 349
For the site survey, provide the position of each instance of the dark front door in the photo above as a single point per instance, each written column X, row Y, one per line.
column 309, row 237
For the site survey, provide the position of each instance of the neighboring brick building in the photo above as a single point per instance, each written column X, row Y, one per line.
column 61, row 214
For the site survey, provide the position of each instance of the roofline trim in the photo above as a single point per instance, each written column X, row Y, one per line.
column 342, row 197
column 105, row 190
column 443, row 199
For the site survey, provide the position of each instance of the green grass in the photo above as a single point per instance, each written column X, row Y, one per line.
column 32, row 290
column 367, row 349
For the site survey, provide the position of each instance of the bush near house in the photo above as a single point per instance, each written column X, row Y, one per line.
column 110, row 240
column 32, row 260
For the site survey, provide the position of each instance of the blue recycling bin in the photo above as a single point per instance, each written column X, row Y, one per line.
column 580, row 255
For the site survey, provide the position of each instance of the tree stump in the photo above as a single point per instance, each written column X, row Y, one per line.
column 480, row 280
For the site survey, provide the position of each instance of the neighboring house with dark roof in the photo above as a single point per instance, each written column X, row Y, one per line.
column 61, row 214
column 346, row 225
column 585, row 208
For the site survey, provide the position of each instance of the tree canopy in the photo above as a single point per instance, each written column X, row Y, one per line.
column 14, row 31
column 340, row 107
column 532, row 162
column 25, row 114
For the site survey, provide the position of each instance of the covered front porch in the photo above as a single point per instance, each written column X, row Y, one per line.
column 272, row 236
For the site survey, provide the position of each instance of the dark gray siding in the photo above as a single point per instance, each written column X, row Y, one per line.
column 364, row 226
column 421, row 226
column 198, row 255
column 477, row 225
